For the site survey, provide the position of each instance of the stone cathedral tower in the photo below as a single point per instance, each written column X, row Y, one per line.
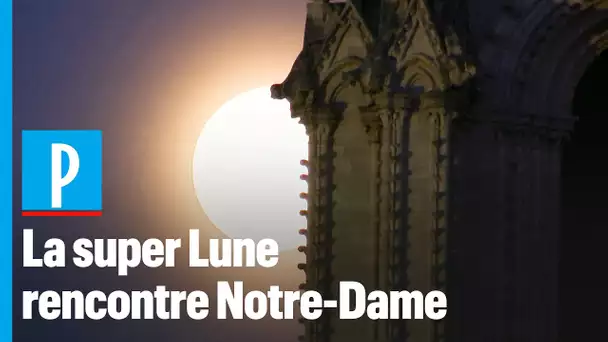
column 436, row 130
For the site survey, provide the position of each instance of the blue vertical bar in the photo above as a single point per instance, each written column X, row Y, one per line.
column 6, row 172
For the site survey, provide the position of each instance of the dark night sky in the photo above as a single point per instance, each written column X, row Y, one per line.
column 147, row 73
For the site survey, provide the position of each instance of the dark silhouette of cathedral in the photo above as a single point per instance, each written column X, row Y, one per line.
column 457, row 145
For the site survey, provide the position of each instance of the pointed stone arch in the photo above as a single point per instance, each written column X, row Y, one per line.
column 549, row 78
column 422, row 70
column 334, row 81
column 520, row 63
column 347, row 20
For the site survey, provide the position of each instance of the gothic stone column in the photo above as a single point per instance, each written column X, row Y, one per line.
column 427, row 166
column 504, row 226
column 409, row 154
column 320, row 125
column 385, row 131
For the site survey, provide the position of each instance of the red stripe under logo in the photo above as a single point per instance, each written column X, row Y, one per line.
column 61, row 213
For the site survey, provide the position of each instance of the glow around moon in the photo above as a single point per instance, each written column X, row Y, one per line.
column 247, row 169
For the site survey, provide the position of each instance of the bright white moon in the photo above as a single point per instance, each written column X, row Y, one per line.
column 247, row 169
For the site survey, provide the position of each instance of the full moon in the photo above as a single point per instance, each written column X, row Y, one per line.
column 246, row 169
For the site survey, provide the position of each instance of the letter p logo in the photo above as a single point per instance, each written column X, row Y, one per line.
column 61, row 173
column 58, row 181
